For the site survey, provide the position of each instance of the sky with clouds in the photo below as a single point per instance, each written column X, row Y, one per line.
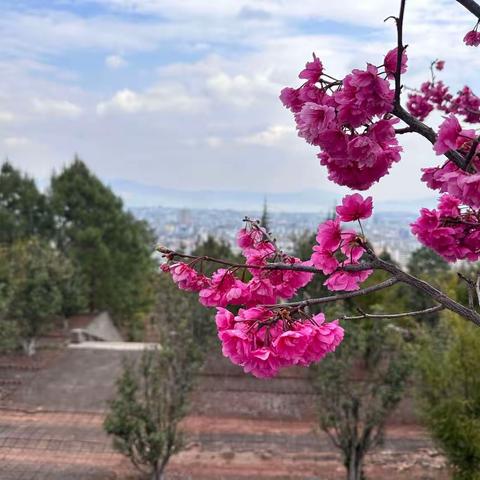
column 184, row 93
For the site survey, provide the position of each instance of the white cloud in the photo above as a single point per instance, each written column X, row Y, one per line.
column 14, row 142
column 115, row 61
column 60, row 108
column 214, row 142
column 6, row 117
column 271, row 136
column 157, row 99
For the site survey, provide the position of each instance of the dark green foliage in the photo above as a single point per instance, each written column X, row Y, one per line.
column 265, row 220
column 427, row 265
column 23, row 209
column 449, row 393
column 152, row 395
column 34, row 277
column 110, row 249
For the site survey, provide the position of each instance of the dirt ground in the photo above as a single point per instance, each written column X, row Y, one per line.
column 72, row 446
column 239, row 428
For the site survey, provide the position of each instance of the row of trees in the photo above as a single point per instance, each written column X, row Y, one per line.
column 72, row 249
column 357, row 388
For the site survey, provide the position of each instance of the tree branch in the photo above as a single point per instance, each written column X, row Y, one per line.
column 172, row 254
column 415, row 124
column 400, row 49
column 415, row 313
column 428, row 133
column 431, row 291
column 471, row 6
column 375, row 263
column 335, row 298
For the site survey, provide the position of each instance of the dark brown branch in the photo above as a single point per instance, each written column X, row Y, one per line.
column 401, row 131
column 471, row 153
column 335, row 298
column 400, row 49
column 269, row 266
column 375, row 263
column 428, row 133
column 416, row 313
column 431, row 291
column 414, row 124
column 471, row 6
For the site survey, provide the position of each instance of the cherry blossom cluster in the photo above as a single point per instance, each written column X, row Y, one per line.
column 263, row 340
column 434, row 94
column 225, row 288
column 450, row 230
column 349, row 120
column 337, row 247
column 464, row 185
column 472, row 38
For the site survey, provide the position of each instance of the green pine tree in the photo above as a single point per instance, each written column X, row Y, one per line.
column 23, row 209
column 110, row 249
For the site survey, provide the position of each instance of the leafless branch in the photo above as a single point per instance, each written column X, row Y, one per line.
column 471, row 6
column 414, row 124
column 400, row 49
column 415, row 313
column 470, row 289
column 172, row 254
column 373, row 263
column 335, row 298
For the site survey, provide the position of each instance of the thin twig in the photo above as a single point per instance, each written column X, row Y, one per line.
column 470, row 289
column 335, row 298
column 415, row 313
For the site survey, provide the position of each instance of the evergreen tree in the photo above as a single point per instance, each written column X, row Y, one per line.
column 34, row 277
column 110, row 249
column 449, row 392
column 265, row 220
column 427, row 265
column 23, row 209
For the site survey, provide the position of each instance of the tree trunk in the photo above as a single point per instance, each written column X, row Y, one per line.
column 355, row 466
column 158, row 471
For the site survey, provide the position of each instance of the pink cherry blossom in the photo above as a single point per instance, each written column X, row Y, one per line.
column 449, row 231
column 472, row 38
column 324, row 260
column 314, row 119
column 224, row 319
column 366, row 91
column 224, row 289
column 329, row 235
column 313, row 70
column 440, row 64
column 187, row 278
column 247, row 238
column 323, row 339
column 262, row 343
column 291, row 99
column 354, row 207
column 346, row 281
column 419, row 106
column 390, row 62
column 448, row 135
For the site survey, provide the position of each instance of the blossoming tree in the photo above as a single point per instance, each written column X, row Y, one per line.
column 356, row 122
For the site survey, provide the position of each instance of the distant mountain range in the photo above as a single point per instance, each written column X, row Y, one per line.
column 313, row 200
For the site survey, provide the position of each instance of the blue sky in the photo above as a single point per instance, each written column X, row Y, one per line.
column 184, row 94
